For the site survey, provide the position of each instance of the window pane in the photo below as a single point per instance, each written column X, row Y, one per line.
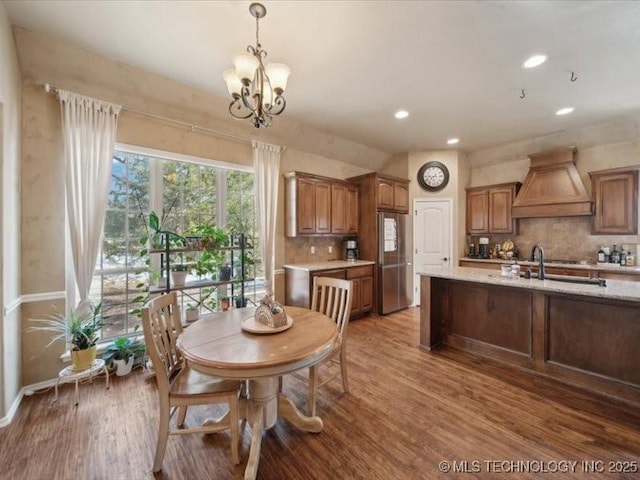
column 187, row 194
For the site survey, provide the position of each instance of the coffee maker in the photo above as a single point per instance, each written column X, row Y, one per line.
column 483, row 247
column 350, row 250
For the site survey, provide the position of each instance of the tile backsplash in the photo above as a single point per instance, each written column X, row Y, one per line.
column 298, row 249
column 566, row 238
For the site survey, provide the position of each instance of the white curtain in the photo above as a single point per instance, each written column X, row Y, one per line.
column 89, row 129
column 266, row 166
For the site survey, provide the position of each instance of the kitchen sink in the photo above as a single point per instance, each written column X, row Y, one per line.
column 569, row 279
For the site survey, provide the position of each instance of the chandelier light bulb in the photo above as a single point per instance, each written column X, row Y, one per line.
column 246, row 66
column 234, row 84
column 278, row 74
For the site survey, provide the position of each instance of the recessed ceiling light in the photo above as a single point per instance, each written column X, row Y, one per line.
column 564, row 111
column 401, row 114
column 535, row 61
column 453, row 141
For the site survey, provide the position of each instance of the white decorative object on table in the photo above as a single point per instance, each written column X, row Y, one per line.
column 270, row 313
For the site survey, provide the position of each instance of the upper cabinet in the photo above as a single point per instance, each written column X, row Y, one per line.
column 393, row 194
column 615, row 194
column 320, row 206
column 489, row 209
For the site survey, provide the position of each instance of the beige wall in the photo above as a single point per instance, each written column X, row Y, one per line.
column 10, row 131
column 46, row 60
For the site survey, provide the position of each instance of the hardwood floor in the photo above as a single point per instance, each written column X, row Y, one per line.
column 408, row 410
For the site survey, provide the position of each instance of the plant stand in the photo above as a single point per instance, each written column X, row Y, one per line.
column 68, row 375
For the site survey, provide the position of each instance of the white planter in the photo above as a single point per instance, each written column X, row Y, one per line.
column 178, row 278
column 192, row 314
column 123, row 367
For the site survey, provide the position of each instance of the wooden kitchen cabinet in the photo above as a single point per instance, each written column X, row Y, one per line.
column 615, row 194
column 344, row 209
column 489, row 209
column 299, row 286
column 320, row 206
column 362, row 290
column 393, row 194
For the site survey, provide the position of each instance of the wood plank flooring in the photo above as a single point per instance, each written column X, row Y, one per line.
column 408, row 410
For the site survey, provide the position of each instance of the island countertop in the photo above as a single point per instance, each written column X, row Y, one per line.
column 615, row 289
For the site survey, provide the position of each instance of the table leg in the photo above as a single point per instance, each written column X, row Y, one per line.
column 257, row 419
column 288, row 411
column 56, row 397
column 77, row 392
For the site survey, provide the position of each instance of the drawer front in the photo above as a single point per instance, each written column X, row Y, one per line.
column 357, row 272
column 330, row 273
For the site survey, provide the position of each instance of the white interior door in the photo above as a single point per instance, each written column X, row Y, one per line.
column 432, row 235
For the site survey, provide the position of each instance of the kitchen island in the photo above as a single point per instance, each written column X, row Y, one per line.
column 586, row 335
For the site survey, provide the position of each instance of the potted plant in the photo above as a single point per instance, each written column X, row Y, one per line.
column 211, row 237
column 241, row 302
column 124, row 352
column 225, row 303
column 192, row 313
column 179, row 274
column 81, row 328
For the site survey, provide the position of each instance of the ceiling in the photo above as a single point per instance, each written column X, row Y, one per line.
column 455, row 66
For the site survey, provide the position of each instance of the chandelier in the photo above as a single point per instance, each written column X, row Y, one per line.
column 256, row 90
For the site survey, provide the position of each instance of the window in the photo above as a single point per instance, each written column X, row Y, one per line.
column 184, row 191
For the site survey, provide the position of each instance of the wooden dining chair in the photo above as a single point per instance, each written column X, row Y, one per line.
column 331, row 297
column 178, row 385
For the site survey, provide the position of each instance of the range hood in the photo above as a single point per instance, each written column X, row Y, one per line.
column 552, row 188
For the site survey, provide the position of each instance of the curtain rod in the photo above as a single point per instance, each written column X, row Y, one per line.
column 48, row 88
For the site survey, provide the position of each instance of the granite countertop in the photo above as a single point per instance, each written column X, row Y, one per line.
column 615, row 289
column 328, row 265
column 578, row 266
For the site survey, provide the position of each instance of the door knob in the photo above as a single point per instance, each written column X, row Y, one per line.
column 445, row 258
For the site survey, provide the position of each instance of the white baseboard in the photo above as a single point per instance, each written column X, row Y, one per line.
column 24, row 392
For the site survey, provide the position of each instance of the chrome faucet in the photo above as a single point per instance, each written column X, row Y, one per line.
column 541, row 274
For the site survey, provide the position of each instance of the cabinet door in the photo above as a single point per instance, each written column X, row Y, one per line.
column 306, row 206
column 323, row 207
column 616, row 203
column 351, row 210
column 401, row 197
column 500, row 219
column 338, row 209
column 356, row 296
column 385, row 194
column 477, row 212
column 366, row 293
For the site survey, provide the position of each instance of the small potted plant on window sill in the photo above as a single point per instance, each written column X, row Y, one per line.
column 124, row 352
column 81, row 327
column 179, row 274
column 192, row 313
column 225, row 303
column 241, row 302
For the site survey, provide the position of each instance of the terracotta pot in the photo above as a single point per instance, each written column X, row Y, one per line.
column 83, row 359
column 224, row 304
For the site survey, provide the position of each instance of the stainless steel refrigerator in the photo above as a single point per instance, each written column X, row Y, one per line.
column 394, row 269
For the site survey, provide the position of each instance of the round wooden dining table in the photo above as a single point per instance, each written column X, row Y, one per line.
column 216, row 345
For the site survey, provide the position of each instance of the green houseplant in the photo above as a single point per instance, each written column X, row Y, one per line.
column 81, row 328
column 123, row 351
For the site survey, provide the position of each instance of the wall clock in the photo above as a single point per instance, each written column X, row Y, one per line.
column 433, row 176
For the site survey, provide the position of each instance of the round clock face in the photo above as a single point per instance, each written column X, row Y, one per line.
column 433, row 176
